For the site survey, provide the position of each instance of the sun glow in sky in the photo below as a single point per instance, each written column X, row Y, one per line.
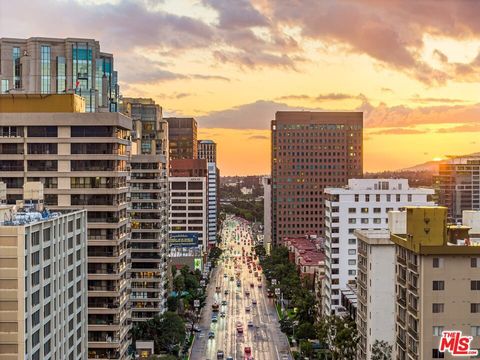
column 411, row 67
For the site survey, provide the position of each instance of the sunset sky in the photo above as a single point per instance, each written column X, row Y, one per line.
column 413, row 67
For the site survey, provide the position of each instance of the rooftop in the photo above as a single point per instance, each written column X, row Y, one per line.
column 27, row 215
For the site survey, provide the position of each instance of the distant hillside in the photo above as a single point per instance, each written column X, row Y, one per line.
column 430, row 166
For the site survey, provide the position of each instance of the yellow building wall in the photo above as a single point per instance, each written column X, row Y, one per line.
column 40, row 103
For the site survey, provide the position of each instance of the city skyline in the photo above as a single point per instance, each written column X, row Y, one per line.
column 412, row 74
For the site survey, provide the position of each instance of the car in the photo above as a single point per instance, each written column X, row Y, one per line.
column 214, row 318
column 229, row 357
column 250, row 271
column 211, row 335
column 220, row 354
column 254, row 302
column 250, row 323
column 247, row 308
column 252, row 285
column 225, row 275
column 259, row 285
column 247, row 293
column 224, row 302
column 225, row 292
column 222, row 314
column 248, row 352
column 231, row 278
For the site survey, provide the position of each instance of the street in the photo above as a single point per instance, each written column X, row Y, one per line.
column 250, row 319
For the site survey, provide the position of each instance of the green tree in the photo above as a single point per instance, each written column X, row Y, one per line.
column 179, row 283
column 305, row 331
column 381, row 350
column 340, row 334
column 172, row 303
column 286, row 326
column 306, row 348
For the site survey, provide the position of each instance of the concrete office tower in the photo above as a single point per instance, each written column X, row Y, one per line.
column 458, row 185
column 57, row 66
column 311, row 151
column 81, row 158
column 437, row 282
column 43, row 286
column 207, row 149
column 267, row 213
column 149, row 208
column 182, row 137
column 188, row 212
column 375, row 290
column 363, row 204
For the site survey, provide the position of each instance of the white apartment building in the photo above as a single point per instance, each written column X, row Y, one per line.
column 188, row 238
column 362, row 205
column 212, row 203
column 43, row 285
column 375, row 290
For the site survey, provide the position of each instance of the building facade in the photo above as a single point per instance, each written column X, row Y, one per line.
column 182, row 137
column 148, row 212
column 40, row 65
column 267, row 213
column 363, row 204
column 81, row 159
column 375, row 290
column 188, row 239
column 43, row 286
column 207, row 149
column 311, row 151
column 458, row 185
column 437, row 283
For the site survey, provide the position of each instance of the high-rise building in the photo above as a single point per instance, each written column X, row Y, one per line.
column 458, row 185
column 267, row 212
column 43, row 286
column 311, row 151
column 182, row 137
column 40, row 65
column 188, row 228
column 81, row 159
column 375, row 290
column 149, row 208
column 207, row 149
column 437, row 281
column 363, row 204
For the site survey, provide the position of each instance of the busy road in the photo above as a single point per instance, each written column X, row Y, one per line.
column 239, row 319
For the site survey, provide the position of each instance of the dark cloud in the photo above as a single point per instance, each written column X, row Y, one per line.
column 460, row 129
column 253, row 59
column 258, row 115
column 258, row 137
column 398, row 131
column 323, row 97
column 209, row 77
column 237, row 14
column 419, row 99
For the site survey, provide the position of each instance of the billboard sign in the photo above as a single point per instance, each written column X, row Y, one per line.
column 183, row 240
column 197, row 264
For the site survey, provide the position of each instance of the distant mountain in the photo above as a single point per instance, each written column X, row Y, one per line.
column 430, row 166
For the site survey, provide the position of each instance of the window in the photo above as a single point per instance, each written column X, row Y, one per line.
column 35, row 318
column 36, row 278
column 437, row 308
column 46, row 272
column 36, row 258
column 357, row 198
column 352, row 221
column 352, row 262
column 46, row 291
column 47, row 328
column 377, row 221
column 389, row 198
column 474, row 262
column 474, row 307
column 364, row 221
column 45, row 80
column 36, row 238
column 36, row 298
column 438, row 285
column 46, row 253
column 377, row 198
column 352, row 251
column 367, row 198
column 437, row 262
column 35, row 338
column 46, row 347
column 475, row 285
column 352, row 210
column 437, row 330
column 377, row 210
column 352, row 272
column 352, row 241
column 46, row 310
column 409, row 197
column 436, row 354
column 475, row 330
column 398, row 197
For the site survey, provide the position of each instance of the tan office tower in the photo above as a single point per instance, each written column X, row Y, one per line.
column 311, row 151
column 81, row 158
column 39, row 65
column 182, row 137
column 149, row 208
column 437, row 281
